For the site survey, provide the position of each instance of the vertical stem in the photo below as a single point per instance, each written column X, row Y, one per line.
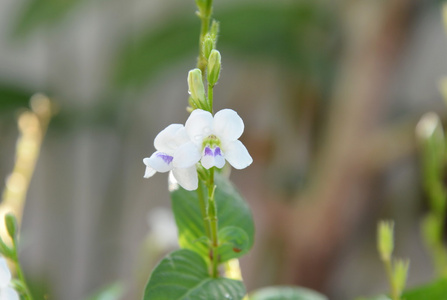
column 202, row 204
column 205, row 17
column 212, row 215
column 19, row 271
column 210, row 97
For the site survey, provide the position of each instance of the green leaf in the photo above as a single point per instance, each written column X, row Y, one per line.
column 434, row 291
column 13, row 98
column 286, row 293
column 234, row 216
column 183, row 274
column 233, row 243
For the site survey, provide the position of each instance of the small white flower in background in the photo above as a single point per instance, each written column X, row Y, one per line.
column 163, row 228
column 213, row 140
column 6, row 292
column 167, row 142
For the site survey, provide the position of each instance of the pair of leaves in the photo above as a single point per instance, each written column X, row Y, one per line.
column 235, row 222
column 184, row 274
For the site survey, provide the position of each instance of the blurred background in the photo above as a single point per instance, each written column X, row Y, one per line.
column 330, row 93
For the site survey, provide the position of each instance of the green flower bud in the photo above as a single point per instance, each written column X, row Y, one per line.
column 214, row 64
column 400, row 274
column 431, row 137
column 208, row 45
column 196, row 89
column 5, row 250
column 11, row 224
column 214, row 31
column 385, row 239
column 201, row 4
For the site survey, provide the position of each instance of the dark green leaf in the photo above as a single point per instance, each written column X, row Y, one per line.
column 433, row 291
column 233, row 214
column 183, row 274
column 12, row 98
column 286, row 293
column 233, row 243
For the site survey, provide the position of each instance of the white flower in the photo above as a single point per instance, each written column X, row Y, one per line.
column 6, row 292
column 167, row 142
column 213, row 140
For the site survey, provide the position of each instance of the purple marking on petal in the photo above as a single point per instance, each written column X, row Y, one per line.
column 166, row 158
column 217, row 152
column 208, row 151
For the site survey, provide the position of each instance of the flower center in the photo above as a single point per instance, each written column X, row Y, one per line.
column 212, row 155
column 211, row 141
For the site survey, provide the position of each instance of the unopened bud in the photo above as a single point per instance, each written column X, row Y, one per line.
column 208, row 45
column 429, row 126
column 432, row 141
column 400, row 274
column 201, row 4
column 385, row 239
column 214, row 64
column 11, row 225
column 214, row 31
column 195, row 85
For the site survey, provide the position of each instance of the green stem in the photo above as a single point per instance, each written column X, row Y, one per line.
column 210, row 97
column 20, row 272
column 205, row 17
column 212, row 215
column 202, row 204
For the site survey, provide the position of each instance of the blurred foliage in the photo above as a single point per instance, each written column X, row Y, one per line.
column 12, row 97
column 299, row 36
column 112, row 291
column 36, row 13
column 434, row 291
column 286, row 293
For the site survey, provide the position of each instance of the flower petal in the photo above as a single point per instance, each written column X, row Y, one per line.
column 170, row 138
column 212, row 158
column 199, row 126
column 186, row 156
column 149, row 172
column 228, row 125
column 5, row 274
column 9, row 293
column 159, row 161
column 187, row 178
column 237, row 155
